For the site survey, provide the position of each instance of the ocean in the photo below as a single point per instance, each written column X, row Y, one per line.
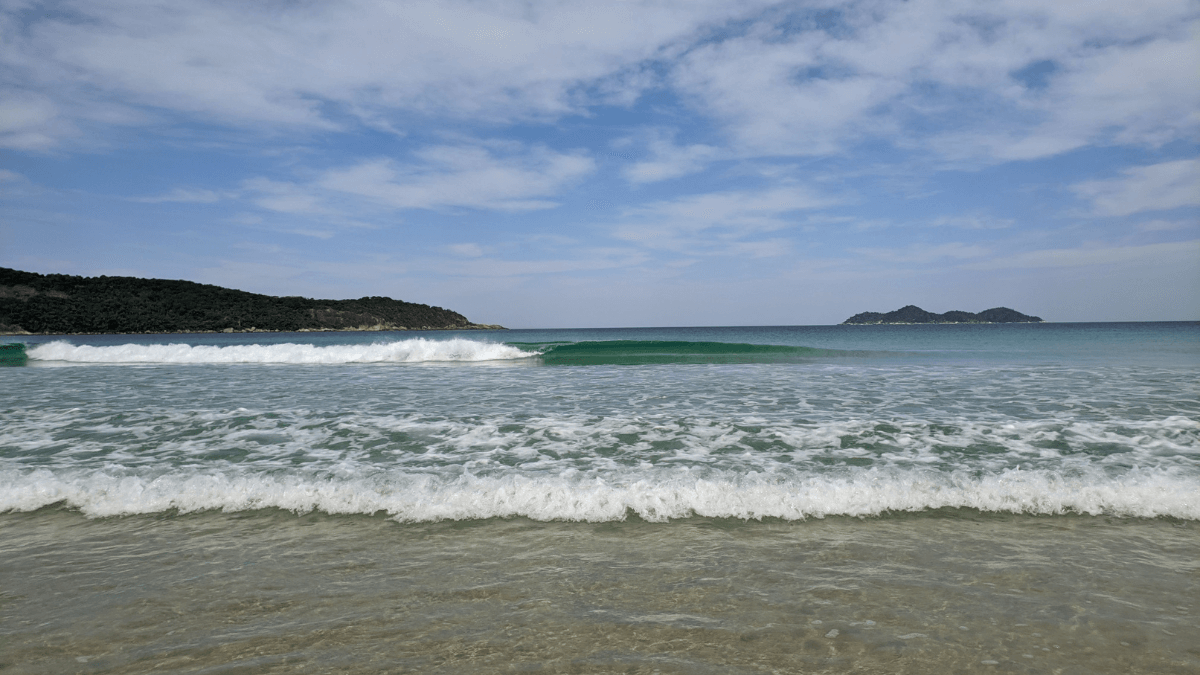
column 1018, row 498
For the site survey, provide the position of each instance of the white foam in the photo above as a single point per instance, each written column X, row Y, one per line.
column 655, row 495
column 499, row 442
column 402, row 351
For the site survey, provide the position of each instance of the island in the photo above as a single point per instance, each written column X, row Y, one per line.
column 32, row 303
column 914, row 314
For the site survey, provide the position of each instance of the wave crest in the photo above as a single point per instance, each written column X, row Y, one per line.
column 417, row 350
column 582, row 497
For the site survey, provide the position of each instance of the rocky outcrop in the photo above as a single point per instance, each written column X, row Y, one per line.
column 914, row 314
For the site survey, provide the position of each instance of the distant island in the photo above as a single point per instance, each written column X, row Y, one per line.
column 914, row 314
column 32, row 303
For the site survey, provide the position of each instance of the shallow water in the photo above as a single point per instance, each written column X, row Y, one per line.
column 945, row 591
column 872, row 499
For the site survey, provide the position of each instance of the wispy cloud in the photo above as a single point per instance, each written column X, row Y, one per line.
column 1157, row 187
column 949, row 77
column 462, row 176
column 924, row 253
column 794, row 80
column 1166, row 225
column 585, row 261
column 285, row 197
column 972, row 222
column 468, row 250
column 510, row 178
column 30, row 121
column 185, row 196
column 319, row 66
column 668, row 160
column 1098, row 255
column 719, row 222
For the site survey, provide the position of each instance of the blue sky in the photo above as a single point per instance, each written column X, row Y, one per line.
column 563, row 164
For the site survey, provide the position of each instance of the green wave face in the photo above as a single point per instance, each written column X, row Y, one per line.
column 638, row 352
column 12, row 354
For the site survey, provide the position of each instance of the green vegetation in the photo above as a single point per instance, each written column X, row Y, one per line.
column 914, row 314
column 59, row 303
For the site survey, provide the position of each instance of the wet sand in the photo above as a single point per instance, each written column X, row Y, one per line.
column 269, row 591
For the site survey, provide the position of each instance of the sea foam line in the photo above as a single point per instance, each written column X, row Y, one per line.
column 654, row 496
column 414, row 350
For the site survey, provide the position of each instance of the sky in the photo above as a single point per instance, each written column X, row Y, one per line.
column 575, row 164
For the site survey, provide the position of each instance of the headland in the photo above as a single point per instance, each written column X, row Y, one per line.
column 60, row 304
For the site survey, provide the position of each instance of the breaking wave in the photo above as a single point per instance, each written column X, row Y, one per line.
column 655, row 496
column 416, row 350
column 604, row 352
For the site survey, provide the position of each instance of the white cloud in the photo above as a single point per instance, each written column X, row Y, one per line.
column 1156, row 187
column 467, row 250
column 462, row 176
column 1171, row 253
column 185, row 195
column 30, row 122
column 719, row 222
column 285, row 197
column 765, row 248
column 246, row 219
column 1165, row 225
column 924, row 253
column 670, row 161
column 311, row 65
column 585, row 259
column 807, row 79
column 972, row 222
column 754, row 84
column 1141, row 94
column 946, row 76
column 506, row 177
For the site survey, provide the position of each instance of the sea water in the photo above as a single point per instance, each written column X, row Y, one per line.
column 926, row 498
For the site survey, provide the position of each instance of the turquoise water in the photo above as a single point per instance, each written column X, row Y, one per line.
column 878, row 498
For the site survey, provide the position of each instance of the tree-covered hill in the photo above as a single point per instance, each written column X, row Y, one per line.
column 60, row 303
column 914, row 314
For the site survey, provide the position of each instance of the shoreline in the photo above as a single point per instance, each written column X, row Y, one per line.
column 356, row 329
